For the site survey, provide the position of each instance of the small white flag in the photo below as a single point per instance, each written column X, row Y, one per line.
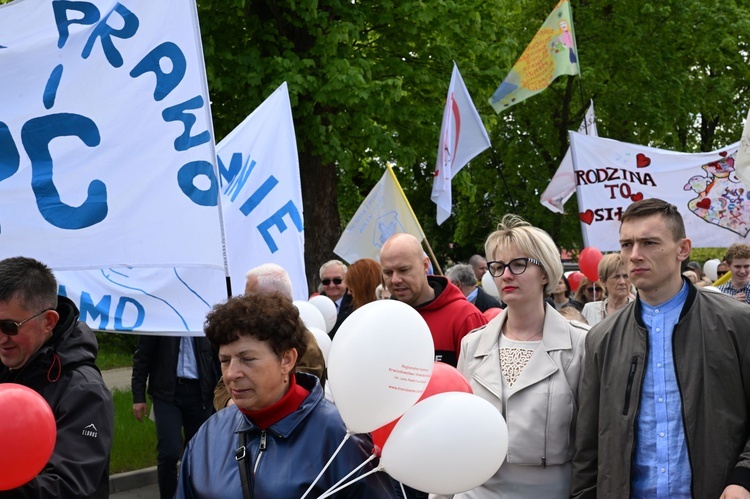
column 462, row 137
column 384, row 212
column 563, row 183
column 742, row 161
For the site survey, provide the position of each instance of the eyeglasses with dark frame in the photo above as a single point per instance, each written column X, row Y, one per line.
column 517, row 266
column 10, row 328
column 336, row 281
column 597, row 289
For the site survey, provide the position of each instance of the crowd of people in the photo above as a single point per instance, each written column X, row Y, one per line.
column 635, row 384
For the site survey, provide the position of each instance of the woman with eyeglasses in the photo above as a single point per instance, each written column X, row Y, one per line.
column 528, row 363
column 617, row 283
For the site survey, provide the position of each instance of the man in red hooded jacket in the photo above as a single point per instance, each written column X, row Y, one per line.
column 442, row 305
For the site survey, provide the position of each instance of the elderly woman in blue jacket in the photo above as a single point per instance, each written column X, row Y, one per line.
column 281, row 431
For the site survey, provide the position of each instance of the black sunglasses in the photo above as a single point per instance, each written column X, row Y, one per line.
column 720, row 273
column 10, row 328
column 336, row 281
column 598, row 290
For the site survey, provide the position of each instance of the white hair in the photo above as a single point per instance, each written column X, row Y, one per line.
column 271, row 278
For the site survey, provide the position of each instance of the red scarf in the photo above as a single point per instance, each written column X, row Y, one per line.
column 290, row 402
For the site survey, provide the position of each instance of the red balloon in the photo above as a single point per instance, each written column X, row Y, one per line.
column 27, row 431
column 588, row 261
column 575, row 279
column 491, row 313
column 444, row 378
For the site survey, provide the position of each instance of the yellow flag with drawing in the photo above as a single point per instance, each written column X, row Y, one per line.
column 551, row 53
column 384, row 212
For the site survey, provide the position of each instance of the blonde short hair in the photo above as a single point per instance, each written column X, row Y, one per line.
column 609, row 265
column 531, row 241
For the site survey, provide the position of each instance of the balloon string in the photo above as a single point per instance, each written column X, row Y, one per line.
column 372, row 456
column 329, row 493
column 346, row 437
column 402, row 489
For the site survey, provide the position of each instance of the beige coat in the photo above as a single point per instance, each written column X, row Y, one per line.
column 543, row 402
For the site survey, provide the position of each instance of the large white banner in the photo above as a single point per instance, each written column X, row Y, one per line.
column 106, row 151
column 262, row 197
column 611, row 175
column 170, row 302
column 261, row 201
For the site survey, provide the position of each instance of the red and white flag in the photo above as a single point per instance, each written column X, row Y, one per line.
column 462, row 137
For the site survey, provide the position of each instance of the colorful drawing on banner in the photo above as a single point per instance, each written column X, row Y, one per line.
column 721, row 198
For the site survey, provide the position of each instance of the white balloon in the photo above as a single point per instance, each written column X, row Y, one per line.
column 324, row 341
column 418, row 454
column 310, row 315
column 488, row 285
column 380, row 363
column 327, row 308
column 710, row 268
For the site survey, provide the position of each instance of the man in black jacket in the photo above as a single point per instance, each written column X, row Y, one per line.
column 45, row 347
column 182, row 373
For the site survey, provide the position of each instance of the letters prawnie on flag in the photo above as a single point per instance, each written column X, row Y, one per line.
column 462, row 137
column 551, row 53
column 384, row 212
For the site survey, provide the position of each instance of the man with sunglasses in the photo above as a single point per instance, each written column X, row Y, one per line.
column 45, row 347
column 332, row 277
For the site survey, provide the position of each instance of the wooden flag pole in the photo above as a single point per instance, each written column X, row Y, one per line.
column 432, row 255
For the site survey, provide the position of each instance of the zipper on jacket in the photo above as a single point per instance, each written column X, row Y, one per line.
column 261, row 448
column 629, row 387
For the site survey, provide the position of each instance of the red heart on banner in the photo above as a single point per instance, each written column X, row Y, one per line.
column 723, row 154
column 642, row 161
column 637, row 196
column 704, row 203
column 586, row 217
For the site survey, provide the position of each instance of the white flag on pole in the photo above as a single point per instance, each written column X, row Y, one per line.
column 462, row 137
column 384, row 212
column 262, row 196
column 563, row 183
column 742, row 164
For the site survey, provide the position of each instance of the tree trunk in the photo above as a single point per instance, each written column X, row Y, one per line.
column 321, row 213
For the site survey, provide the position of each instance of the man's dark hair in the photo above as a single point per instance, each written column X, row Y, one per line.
column 29, row 280
column 269, row 317
column 653, row 206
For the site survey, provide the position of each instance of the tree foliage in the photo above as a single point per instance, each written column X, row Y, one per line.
column 368, row 83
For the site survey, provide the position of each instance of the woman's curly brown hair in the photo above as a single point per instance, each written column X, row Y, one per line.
column 269, row 317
